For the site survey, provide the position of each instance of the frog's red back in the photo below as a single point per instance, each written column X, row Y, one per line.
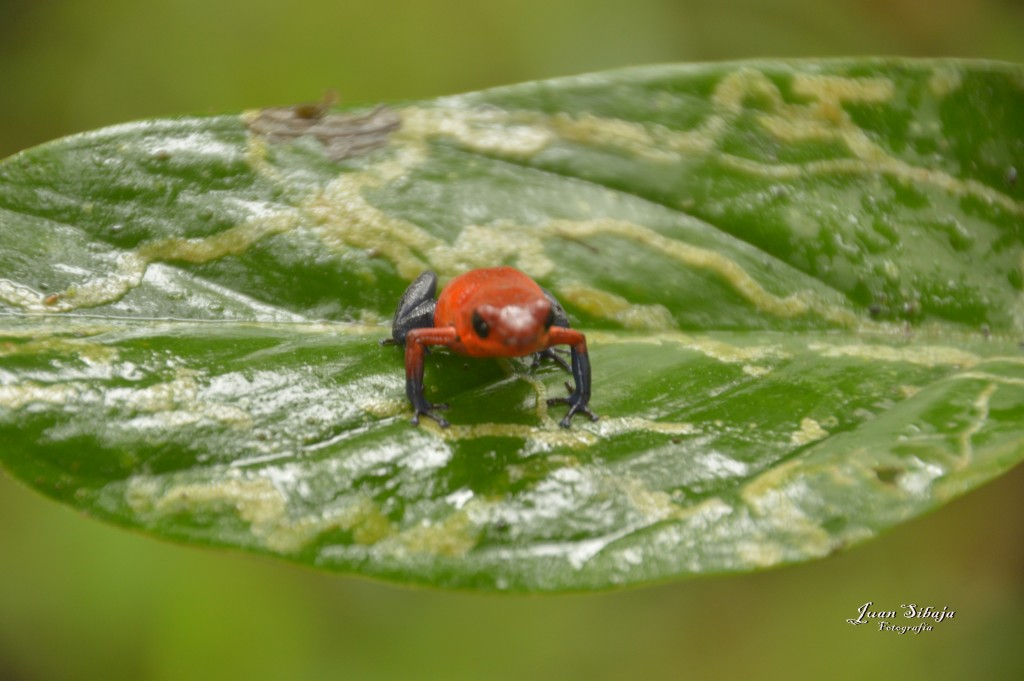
column 493, row 285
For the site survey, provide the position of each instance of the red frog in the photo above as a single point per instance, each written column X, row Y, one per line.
column 492, row 312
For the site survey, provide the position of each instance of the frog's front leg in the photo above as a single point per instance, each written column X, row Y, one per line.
column 416, row 343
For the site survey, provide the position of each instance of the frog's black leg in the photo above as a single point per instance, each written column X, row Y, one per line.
column 552, row 354
column 413, row 327
column 415, row 308
column 580, row 396
column 560, row 318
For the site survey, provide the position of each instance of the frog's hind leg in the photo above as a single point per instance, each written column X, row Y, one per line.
column 415, row 308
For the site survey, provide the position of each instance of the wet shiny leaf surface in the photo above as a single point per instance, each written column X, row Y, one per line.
column 801, row 286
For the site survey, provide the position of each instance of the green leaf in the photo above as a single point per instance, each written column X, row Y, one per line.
column 801, row 284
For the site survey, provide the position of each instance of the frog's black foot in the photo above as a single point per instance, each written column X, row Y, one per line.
column 427, row 410
column 577, row 405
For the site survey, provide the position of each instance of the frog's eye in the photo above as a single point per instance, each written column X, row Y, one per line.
column 480, row 325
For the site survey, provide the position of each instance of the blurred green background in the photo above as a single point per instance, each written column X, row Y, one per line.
column 80, row 600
